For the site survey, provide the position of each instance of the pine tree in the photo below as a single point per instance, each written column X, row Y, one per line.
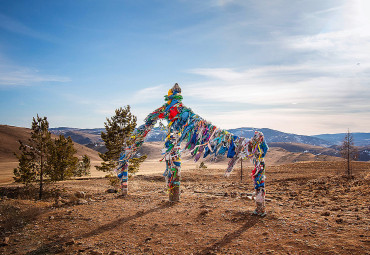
column 63, row 164
column 118, row 132
column 26, row 171
column 33, row 163
column 349, row 151
column 84, row 166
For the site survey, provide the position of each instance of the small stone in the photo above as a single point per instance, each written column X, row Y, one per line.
column 148, row 239
column 114, row 252
column 80, row 194
column 147, row 249
column 111, row 191
column 5, row 241
column 339, row 220
column 325, row 214
column 58, row 203
column 82, row 201
column 335, row 208
column 95, row 252
column 71, row 242
column 295, row 231
column 51, row 217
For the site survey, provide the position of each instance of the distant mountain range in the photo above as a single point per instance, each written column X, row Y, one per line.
column 360, row 139
column 325, row 144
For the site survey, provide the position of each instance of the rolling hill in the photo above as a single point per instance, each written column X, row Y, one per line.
column 9, row 136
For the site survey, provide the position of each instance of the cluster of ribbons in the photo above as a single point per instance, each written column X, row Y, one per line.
column 202, row 139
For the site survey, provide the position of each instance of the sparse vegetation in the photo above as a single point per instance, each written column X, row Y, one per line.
column 43, row 157
column 349, row 152
column 83, row 167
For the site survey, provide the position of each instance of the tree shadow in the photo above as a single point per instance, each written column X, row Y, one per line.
column 57, row 246
column 120, row 221
column 228, row 238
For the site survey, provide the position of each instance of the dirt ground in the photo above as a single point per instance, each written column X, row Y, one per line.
column 312, row 209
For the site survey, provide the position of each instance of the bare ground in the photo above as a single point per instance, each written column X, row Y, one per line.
column 312, row 210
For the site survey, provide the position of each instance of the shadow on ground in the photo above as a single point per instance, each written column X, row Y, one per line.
column 57, row 246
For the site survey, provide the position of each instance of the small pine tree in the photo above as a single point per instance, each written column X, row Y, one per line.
column 63, row 164
column 33, row 163
column 83, row 167
column 349, row 151
column 118, row 132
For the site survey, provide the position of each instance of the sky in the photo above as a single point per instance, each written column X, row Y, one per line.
column 296, row 66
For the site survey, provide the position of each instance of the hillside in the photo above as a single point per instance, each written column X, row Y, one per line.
column 306, row 148
column 9, row 136
column 275, row 136
column 276, row 155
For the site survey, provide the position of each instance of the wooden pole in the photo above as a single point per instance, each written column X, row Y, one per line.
column 241, row 170
column 175, row 176
column 174, row 187
column 124, row 180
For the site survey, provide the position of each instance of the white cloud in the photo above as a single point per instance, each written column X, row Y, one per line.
column 18, row 75
column 306, row 98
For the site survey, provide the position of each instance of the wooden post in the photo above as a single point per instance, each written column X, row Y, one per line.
column 174, row 186
column 175, row 176
column 124, row 179
column 241, row 170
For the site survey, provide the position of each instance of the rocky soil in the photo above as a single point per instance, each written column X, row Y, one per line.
column 312, row 209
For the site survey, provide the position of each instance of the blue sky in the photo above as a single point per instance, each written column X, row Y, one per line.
column 296, row 66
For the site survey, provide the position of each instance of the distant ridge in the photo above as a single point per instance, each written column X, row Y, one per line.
column 274, row 136
column 325, row 144
column 92, row 136
column 360, row 139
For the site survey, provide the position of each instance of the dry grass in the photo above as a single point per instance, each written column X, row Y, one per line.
column 14, row 217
